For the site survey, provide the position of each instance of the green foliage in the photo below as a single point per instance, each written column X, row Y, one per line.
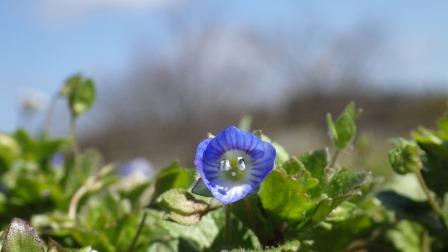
column 423, row 224
column 343, row 130
column 405, row 157
column 80, row 92
column 173, row 176
column 284, row 197
column 434, row 144
column 309, row 202
column 20, row 236
column 81, row 202
column 409, row 237
column 184, row 207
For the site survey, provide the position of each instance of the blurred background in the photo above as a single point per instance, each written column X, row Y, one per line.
column 169, row 71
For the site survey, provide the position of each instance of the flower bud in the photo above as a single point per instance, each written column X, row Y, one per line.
column 405, row 157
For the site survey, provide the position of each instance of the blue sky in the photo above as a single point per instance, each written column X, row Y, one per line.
column 44, row 41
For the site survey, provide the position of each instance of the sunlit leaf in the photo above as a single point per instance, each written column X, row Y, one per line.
column 284, row 197
column 20, row 236
column 184, row 207
column 343, row 130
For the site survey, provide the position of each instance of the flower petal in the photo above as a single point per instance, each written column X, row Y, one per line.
column 263, row 164
column 233, row 138
column 199, row 156
column 261, row 156
column 228, row 193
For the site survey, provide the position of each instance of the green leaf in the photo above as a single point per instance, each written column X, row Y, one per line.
column 9, row 150
column 343, row 130
column 185, row 208
column 405, row 157
column 295, row 169
column 209, row 234
column 81, row 94
column 344, row 225
column 416, row 211
column 38, row 149
column 107, row 222
column 251, row 214
column 346, row 182
column 234, row 233
column 284, row 197
column 322, row 210
column 434, row 144
column 442, row 124
column 202, row 235
column 173, row 176
column 407, row 237
column 136, row 193
column 315, row 162
column 245, row 123
column 20, row 236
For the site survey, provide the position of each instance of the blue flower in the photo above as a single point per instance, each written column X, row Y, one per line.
column 57, row 160
column 233, row 163
column 139, row 166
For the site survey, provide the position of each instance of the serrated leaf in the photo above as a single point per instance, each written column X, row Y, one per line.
column 407, row 237
column 284, row 197
column 346, row 181
column 315, row 162
column 343, row 130
column 434, row 144
column 20, row 236
column 201, row 235
column 185, row 208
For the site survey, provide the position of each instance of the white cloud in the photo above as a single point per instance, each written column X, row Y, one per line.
column 76, row 8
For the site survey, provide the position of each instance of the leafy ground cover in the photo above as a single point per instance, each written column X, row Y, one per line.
column 55, row 196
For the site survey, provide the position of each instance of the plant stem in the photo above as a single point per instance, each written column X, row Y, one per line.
column 425, row 242
column 77, row 197
column 73, row 134
column 49, row 114
column 334, row 157
column 431, row 199
column 139, row 231
column 250, row 215
column 227, row 224
column 91, row 183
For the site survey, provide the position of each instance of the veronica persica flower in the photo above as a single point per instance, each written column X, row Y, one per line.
column 233, row 163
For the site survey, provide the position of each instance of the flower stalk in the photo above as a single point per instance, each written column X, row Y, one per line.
column 430, row 197
column 138, row 233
